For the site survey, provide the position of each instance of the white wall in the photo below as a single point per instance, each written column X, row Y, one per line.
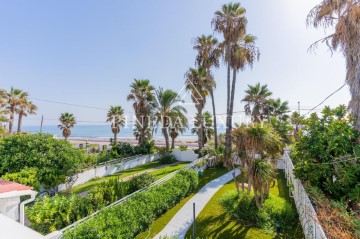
column 10, row 207
column 187, row 156
column 105, row 170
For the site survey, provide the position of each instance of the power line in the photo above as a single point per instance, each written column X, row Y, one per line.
column 324, row 100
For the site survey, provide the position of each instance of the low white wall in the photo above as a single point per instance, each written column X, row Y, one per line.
column 10, row 207
column 111, row 168
column 187, row 156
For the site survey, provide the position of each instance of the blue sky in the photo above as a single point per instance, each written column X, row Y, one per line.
column 89, row 52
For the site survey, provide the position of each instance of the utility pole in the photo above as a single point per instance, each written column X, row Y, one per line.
column 299, row 107
column 42, row 121
column 194, row 225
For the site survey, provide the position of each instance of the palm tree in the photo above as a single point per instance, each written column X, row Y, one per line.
column 208, row 57
column 115, row 115
column 239, row 51
column 257, row 99
column 208, row 131
column 173, row 135
column 295, row 120
column 263, row 174
column 67, row 121
column 142, row 94
column 195, row 83
column 14, row 98
column 256, row 142
column 24, row 109
column 279, row 109
column 168, row 111
column 342, row 16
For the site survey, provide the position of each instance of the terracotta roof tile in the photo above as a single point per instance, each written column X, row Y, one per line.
column 8, row 186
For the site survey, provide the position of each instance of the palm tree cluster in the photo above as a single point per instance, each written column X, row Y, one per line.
column 257, row 144
column 261, row 107
column 237, row 50
column 156, row 109
column 15, row 102
column 342, row 16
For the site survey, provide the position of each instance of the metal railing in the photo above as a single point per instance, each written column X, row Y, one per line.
column 307, row 214
column 192, row 165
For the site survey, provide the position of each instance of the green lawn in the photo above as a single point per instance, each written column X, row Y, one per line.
column 159, row 173
column 160, row 223
column 213, row 222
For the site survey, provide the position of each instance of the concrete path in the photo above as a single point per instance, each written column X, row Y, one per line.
column 181, row 222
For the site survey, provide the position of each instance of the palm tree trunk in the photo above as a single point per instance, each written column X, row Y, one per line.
column 227, row 134
column 166, row 136
column 214, row 116
column 172, row 142
column 11, row 121
column 200, row 131
column 19, row 122
column 115, row 138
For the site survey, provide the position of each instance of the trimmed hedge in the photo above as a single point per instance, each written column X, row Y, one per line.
column 50, row 214
column 167, row 159
column 126, row 220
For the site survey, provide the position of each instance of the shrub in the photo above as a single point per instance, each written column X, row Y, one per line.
column 126, row 220
column 50, row 214
column 27, row 176
column 141, row 181
column 54, row 159
column 167, row 159
column 241, row 207
column 274, row 209
column 183, row 148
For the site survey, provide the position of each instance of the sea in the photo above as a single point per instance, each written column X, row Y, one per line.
column 101, row 132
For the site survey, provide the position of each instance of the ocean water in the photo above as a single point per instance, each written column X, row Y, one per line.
column 101, row 132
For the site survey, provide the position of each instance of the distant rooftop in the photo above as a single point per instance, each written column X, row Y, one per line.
column 8, row 186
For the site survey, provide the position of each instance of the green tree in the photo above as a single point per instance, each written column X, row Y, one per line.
column 14, row 97
column 342, row 17
column 67, row 121
column 25, row 108
column 239, row 51
column 115, row 115
column 196, row 84
column 208, row 131
column 326, row 153
column 142, row 95
column 257, row 101
column 208, row 57
column 53, row 159
column 168, row 112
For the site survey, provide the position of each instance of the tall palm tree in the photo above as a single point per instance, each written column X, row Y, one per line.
column 168, row 111
column 67, row 121
column 239, row 51
column 24, row 109
column 342, row 16
column 208, row 57
column 14, row 98
column 115, row 115
column 257, row 99
column 195, row 83
column 208, row 131
column 142, row 94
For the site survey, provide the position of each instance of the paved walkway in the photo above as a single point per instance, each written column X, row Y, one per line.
column 181, row 222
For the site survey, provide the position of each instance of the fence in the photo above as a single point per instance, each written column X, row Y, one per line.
column 199, row 164
column 108, row 168
column 307, row 214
